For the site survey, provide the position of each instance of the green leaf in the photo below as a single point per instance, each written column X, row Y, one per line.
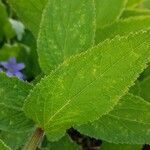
column 14, row 140
column 3, row 146
column 30, row 12
column 123, row 28
column 64, row 143
column 146, row 4
column 67, row 28
column 5, row 26
column 111, row 146
column 107, row 11
column 129, row 122
column 12, row 95
column 90, row 83
column 135, row 12
column 133, row 3
column 145, row 89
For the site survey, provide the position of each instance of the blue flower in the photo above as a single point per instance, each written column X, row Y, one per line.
column 13, row 68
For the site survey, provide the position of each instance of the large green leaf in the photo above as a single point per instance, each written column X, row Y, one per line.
column 111, row 146
column 129, row 122
column 133, row 3
column 90, row 83
column 135, row 12
column 12, row 95
column 107, row 11
column 67, row 28
column 3, row 146
column 122, row 27
column 30, row 12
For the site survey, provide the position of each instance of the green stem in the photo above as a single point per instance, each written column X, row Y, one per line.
column 35, row 139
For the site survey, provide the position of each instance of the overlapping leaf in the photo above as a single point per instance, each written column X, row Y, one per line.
column 90, row 83
column 129, row 122
column 107, row 11
column 12, row 95
column 67, row 28
column 122, row 27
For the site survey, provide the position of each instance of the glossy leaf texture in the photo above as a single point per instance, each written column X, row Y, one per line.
column 12, row 95
column 107, row 11
column 67, row 28
column 3, row 146
column 123, row 28
column 30, row 12
column 89, row 83
column 111, row 146
column 129, row 122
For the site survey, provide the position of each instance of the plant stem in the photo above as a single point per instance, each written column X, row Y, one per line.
column 35, row 139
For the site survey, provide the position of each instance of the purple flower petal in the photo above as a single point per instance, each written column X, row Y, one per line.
column 19, row 75
column 12, row 60
column 9, row 74
column 20, row 66
column 5, row 64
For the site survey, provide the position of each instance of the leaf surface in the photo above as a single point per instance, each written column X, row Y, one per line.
column 89, row 83
column 107, row 11
column 129, row 122
column 111, row 146
column 133, row 3
column 145, row 89
column 12, row 95
column 65, row 143
column 135, row 12
column 3, row 146
column 123, row 28
column 30, row 12
column 67, row 28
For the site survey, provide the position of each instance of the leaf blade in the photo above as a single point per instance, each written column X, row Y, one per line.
column 74, row 86
column 12, row 95
column 127, row 123
column 67, row 28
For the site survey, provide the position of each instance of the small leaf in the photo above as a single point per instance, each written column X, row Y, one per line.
column 129, row 122
column 30, row 12
column 122, row 28
column 111, row 146
column 107, row 11
column 67, row 28
column 89, row 83
column 12, row 95
column 3, row 146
